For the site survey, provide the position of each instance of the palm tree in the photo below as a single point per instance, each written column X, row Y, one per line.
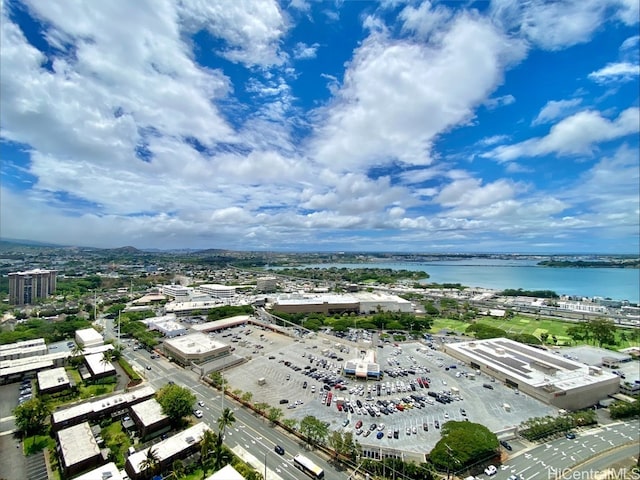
column 207, row 447
column 151, row 461
column 177, row 470
column 226, row 420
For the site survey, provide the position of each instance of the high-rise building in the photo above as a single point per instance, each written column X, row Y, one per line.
column 25, row 287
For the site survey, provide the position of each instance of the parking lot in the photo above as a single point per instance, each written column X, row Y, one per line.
column 421, row 389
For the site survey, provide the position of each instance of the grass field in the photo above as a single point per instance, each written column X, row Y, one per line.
column 522, row 324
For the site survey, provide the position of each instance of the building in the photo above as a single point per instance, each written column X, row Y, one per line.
column 98, row 367
column 325, row 304
column 190, row 308
column 364, row 366
column 372, row 302
column 89, row 337
column 221, row 324
column 266, row 284
column 548, row 377
column 108, row 471
column 195, row 348
column 176, row 447
column 227, row 473
column 178, row 292
column 166, row 325
column 53, row 380
column 95, row 410
column 78, row 449
column 150, row 419
column 24, row 349
column 218, row 291
column 25, row 287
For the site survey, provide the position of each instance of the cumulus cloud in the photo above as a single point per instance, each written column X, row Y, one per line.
column 302, row 51
column 492, row 103
column 555, row 109
column 397, row 96
column 575, row 135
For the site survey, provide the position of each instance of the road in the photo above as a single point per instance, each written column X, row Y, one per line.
column 554, row 459
column 250, row 432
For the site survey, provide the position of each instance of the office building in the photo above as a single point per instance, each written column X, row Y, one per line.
column 26, row 287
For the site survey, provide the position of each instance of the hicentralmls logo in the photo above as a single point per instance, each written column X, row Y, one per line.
column 608, row 474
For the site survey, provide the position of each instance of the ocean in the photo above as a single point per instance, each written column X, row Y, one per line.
column 614, row 283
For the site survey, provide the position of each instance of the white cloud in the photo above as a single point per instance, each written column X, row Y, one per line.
column 555, row 109
column 397, row 96
column 425, row 20
column 493, row 103
column 615, row 72
column 574, row 135
column 492, row 140
column 558, row 25
column 302, row 51
column 630, row 43
column 252, row 29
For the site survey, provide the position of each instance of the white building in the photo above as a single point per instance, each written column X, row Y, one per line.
column 371, row 302
column 97, row 365
column 88, row 337
column 167, row 325
column 26, row 348
column 78, row 449
column 195, row 348
column 266, row 284
column 53, row 380
column 218, row 291
column 178, row 292
column 582, row 307
column 175, row 447
column 550, row 378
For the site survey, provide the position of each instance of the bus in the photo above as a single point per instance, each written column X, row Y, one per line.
column 307, row 466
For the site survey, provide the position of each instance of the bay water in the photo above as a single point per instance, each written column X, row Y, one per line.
column 498, row 274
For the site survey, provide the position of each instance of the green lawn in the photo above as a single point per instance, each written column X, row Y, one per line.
column 521, row 324
column 117, row 441
column 36, row 443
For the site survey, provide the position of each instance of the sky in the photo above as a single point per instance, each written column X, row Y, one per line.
column 300, row 125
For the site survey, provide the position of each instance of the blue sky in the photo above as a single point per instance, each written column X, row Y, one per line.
column 494, row 126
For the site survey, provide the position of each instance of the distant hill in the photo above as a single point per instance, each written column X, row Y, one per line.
column 124, row 250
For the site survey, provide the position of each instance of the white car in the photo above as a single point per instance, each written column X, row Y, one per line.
column 198, row 413
column 491, row 470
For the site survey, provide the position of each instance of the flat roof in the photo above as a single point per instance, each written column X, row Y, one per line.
column 89, row 335
column 148, row 412
column 96, row 364
column 101, row 404
column 194, row 343
column 187, row 306
column 593, row 355
column 77, row 444
column 316, row 300
column 220, row 324
column 23, row 344
column 378, row 296
column 529, row 365
column 52, row 378
column 226, row 473
column 169, row 447
column 108, row 471
column 216, row 286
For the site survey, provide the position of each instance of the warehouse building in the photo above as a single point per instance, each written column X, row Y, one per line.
column 548, row 377
column 372, row 302
column 325, row 304
column 195, row 348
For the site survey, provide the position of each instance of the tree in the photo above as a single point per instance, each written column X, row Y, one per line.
column 208, row 444
column 463, row 444
column 151, row 462
column 314, row 430
column 261, row 407
column 31, row 416
column 543, row 337
column 274, row 414
column 177, row 469
column 225, row 420
column 603, row 331
column 247, row 396
column 176, row 401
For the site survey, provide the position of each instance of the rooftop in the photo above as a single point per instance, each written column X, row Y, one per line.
column 105, row 472
column 77, row 444
column 220, row 324
column 148, row 412
column 88, row 335
column 97, row 364
column 52, row 378
column 194, row 343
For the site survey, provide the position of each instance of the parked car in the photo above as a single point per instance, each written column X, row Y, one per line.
column 380, row 435
column 506, row 445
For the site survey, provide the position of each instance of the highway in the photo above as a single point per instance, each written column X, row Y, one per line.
column 554, row 459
